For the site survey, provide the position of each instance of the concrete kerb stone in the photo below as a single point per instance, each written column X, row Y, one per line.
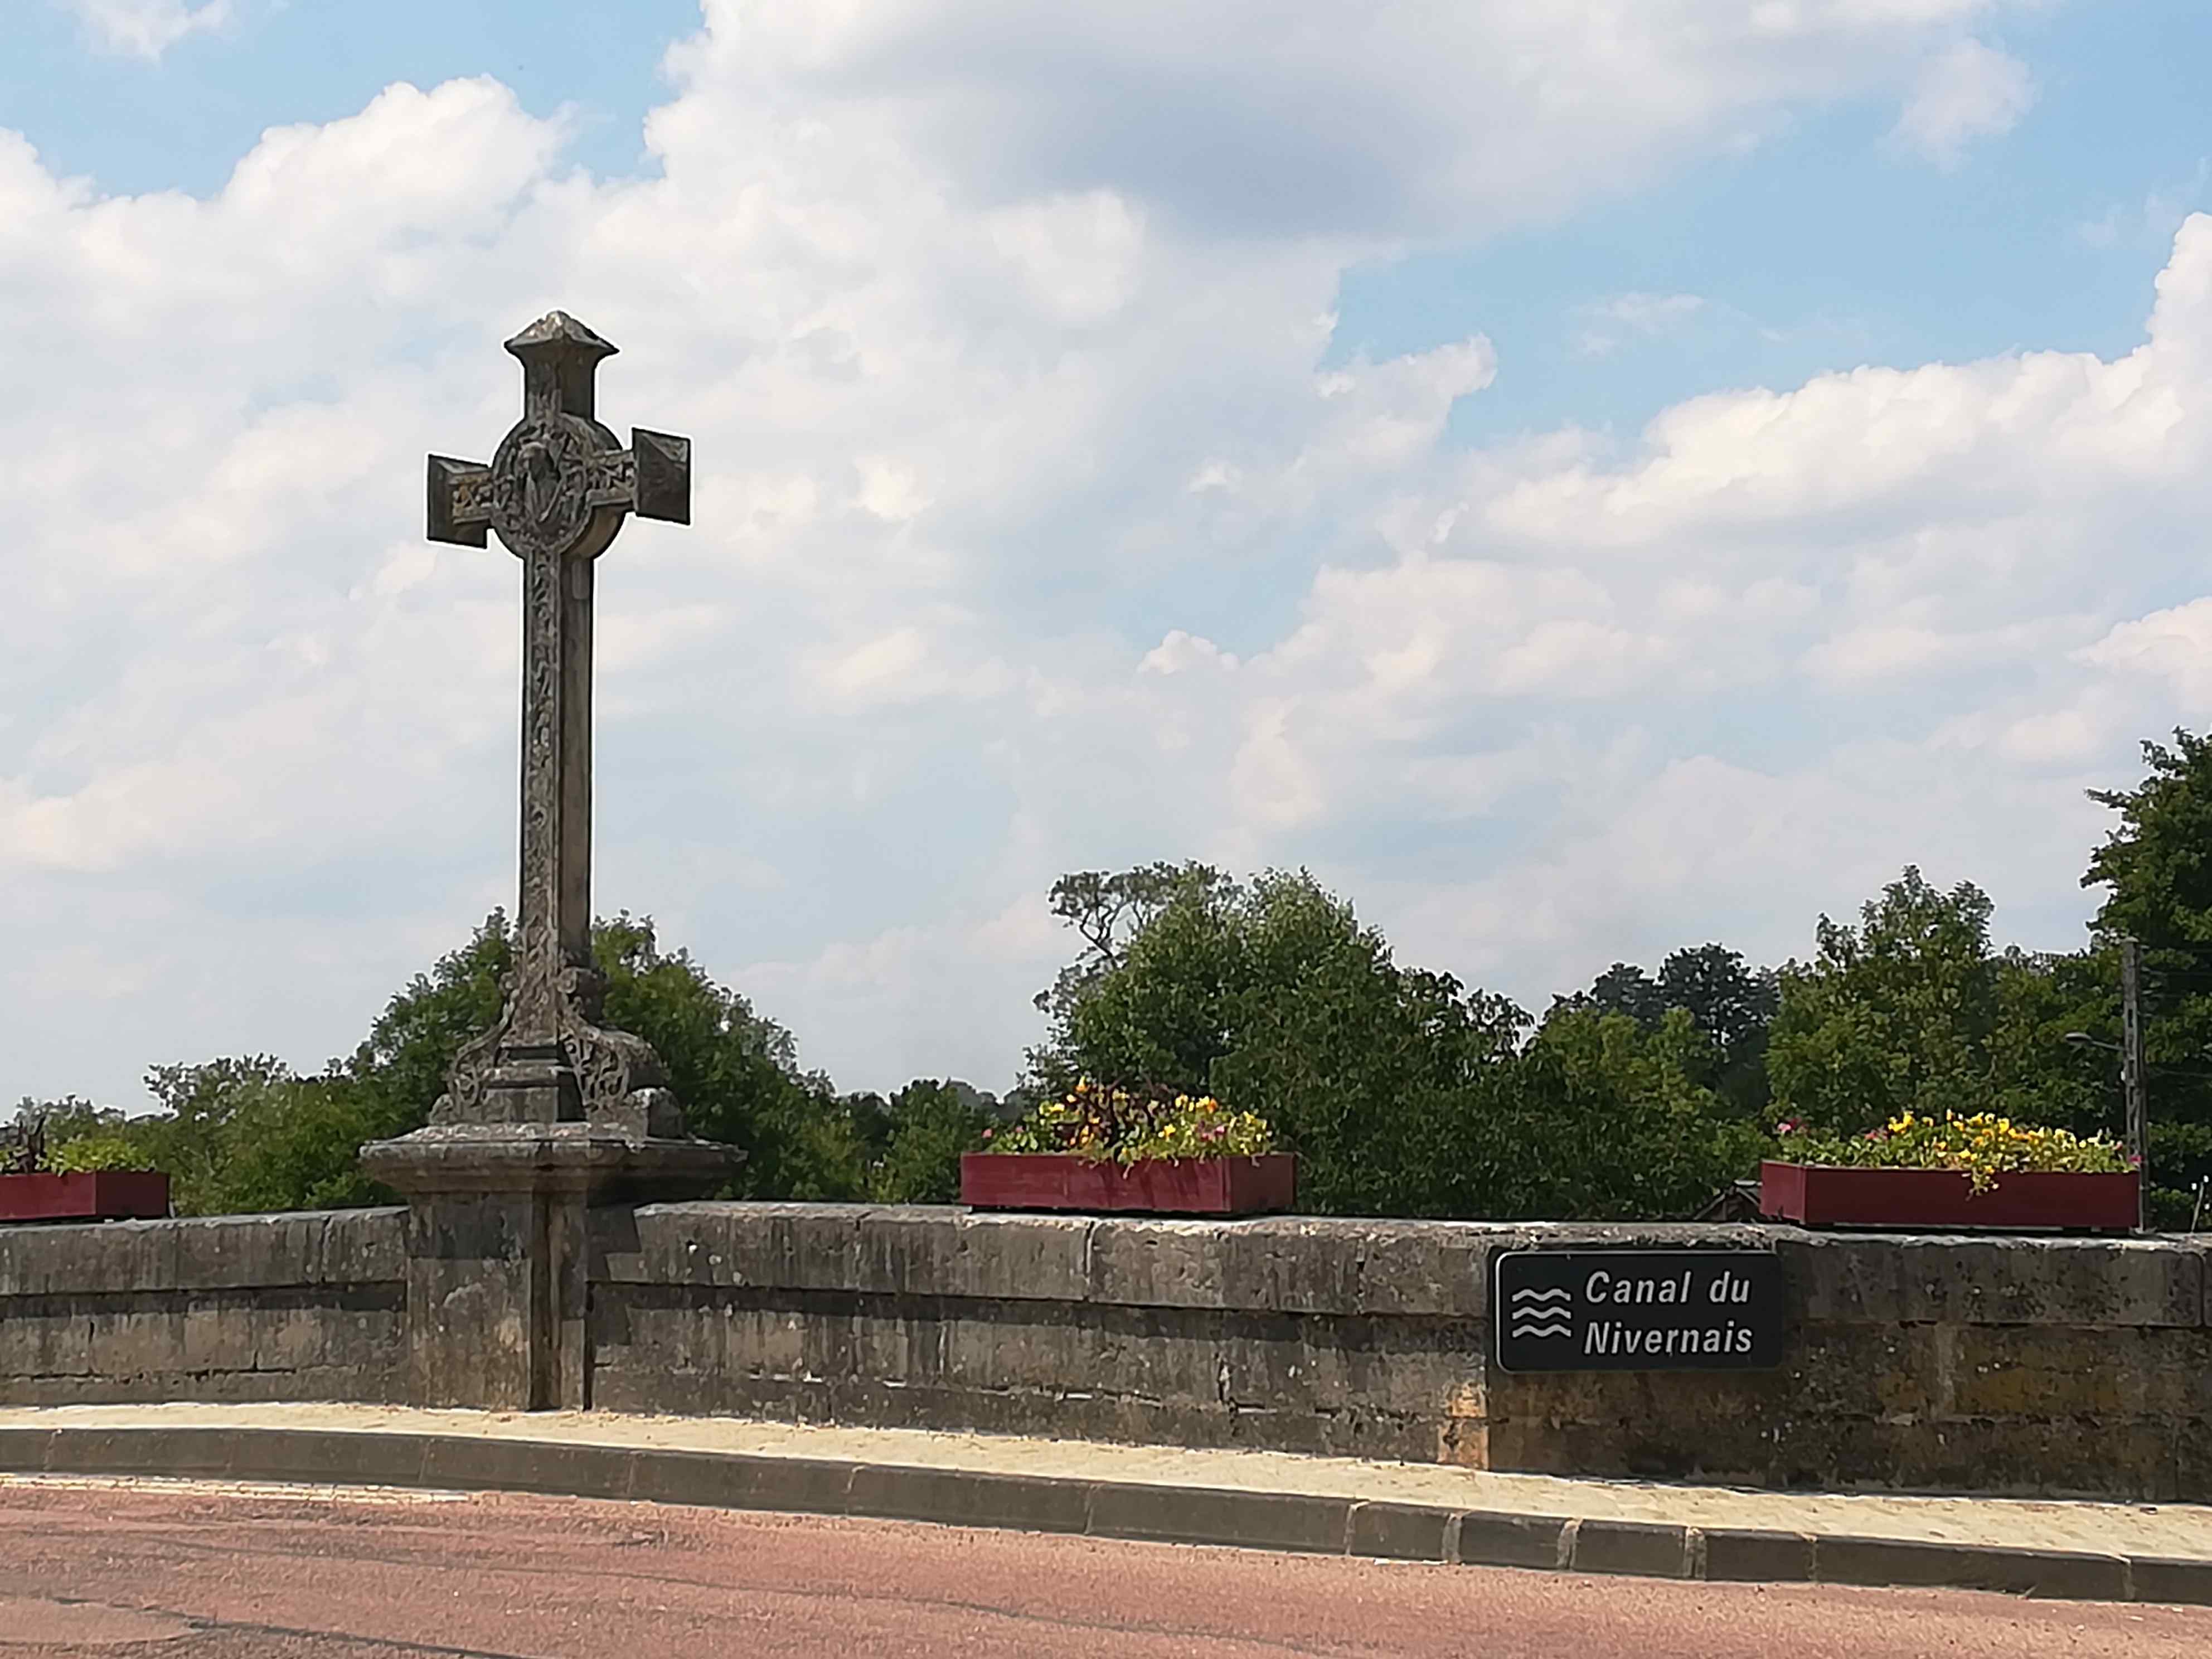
column 796, row 1485
column 1203, row 1514
column 1190, row 1514
column 1479, row 1539
column 368, row 1460
column 962, row 1497
column 2053, row 1574
column 2154, row 1578
column 1744, row 1555
column 577, row 1471
column 1400, row 1531
column 1643, row 1549
column 24, row 1451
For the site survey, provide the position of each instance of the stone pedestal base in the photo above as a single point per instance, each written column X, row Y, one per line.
column 496, row 1283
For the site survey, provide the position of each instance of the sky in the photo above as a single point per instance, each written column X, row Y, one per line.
column 1584, row 480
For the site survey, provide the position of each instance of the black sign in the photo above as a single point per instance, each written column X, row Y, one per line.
column 1637, row 1311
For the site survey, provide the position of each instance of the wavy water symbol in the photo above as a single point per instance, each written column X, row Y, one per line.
column 1545, row 1314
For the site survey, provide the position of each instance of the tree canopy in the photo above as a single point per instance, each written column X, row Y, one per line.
column 1404, row 1090
column 246, row 1133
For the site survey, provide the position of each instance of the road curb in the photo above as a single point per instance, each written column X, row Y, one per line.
column 1102, row 1509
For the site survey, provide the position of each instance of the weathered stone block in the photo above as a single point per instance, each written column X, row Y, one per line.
column 217, row 1335
column 932, row 1250
column 364, row 1247
column 1903, row 1279
column 780, row 1246
column 2060, row 1371
column 1156, row 1264
column 56, row 1261
column 57, row 1343
column 129, row 1346
column 1416, row 1268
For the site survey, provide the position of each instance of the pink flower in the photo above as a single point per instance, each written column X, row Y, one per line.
column 988, row 1133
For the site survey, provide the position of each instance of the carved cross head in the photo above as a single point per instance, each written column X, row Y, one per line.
column 560, row 484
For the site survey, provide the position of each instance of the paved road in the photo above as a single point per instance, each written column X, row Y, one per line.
column 153, row 1569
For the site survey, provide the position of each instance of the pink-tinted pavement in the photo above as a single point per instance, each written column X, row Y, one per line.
column 148, row 1568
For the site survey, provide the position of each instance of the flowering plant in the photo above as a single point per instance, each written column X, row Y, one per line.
column 1128, row 1126
column 1982, row 1146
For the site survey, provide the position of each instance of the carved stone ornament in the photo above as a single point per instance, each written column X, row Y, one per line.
column 541, row 485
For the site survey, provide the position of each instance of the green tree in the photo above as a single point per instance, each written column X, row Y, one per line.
column 2156, row 865
column 289, row 1143
column 2038, row 1076
column 1369, row 1069
column 191, row 1137
column 1109, row 911
column 1623, row 988
column 736, row 1071
column 1731, row 1003
column 1403, row 1092
column 926, row 1127
column 1609, row 1119
column 1894, row 1014
column 1153, row 997
column 1273, row 996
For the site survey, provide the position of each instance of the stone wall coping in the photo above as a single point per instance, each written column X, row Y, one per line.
column 203, row 1252
column 1351, row 1265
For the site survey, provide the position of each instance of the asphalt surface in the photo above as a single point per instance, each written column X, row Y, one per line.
column 122, row 1568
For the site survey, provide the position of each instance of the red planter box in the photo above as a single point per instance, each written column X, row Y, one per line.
column 1193, row 1185
column 1819, row 1195
column 89, row 1195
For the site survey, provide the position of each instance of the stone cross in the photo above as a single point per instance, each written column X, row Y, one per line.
column 557, row 491
column 549, row 1112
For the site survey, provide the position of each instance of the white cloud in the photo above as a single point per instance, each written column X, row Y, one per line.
column 2171, row 647
column 1969, row 91
column 1608, row 323
column 1032, row 533
column 147, row 28
column 1261, row 117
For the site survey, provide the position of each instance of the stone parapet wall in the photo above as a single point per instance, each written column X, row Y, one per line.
column 1968, row 1365
column 2056, row 1366
column 228, row 1308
